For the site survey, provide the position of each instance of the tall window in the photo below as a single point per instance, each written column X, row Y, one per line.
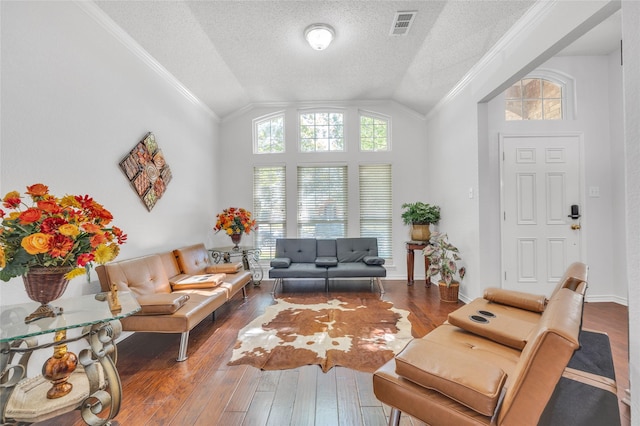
column 321, row 131
column 322, row 202
column 268, row 134
column 374, row 133
column 376, row 206
column 269, row 207
column 534, row 99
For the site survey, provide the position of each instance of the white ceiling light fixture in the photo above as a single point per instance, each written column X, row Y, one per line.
column 319, row 36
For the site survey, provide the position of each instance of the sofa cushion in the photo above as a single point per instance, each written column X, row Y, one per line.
column 356, row 270
column 280, row 262
column 223, row 268
column 326, row 248
column 299, row 270
column 141, row 275
column 517, row 299
column 161, row 303
column 299, row 250
column 456, row 374
column 183, row 281
column 355, row 249
column 193, row 259
column 326, row 261
column 373, row 260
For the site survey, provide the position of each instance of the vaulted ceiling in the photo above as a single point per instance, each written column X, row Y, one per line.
column 231, row 54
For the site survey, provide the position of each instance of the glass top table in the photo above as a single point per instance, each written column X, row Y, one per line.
column 78, row 311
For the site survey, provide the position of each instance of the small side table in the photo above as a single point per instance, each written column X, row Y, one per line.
column 411, row 246
column 250, row 259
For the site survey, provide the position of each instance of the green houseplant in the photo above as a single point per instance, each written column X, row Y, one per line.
column 420, row 215
column 442, row 256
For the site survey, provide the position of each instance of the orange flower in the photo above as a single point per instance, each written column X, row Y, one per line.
column 30, row 215
column 36, row 243
column 49, row 206
column 59, row 246
column 69, row 230
column 37, row 190
column 11, row 200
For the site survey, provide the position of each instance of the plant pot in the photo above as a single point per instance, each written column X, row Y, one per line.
column 45, row 285
column 449, row 294
column 235, row 239
column 420, row 232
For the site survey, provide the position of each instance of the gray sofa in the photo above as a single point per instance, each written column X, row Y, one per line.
column 300, row 258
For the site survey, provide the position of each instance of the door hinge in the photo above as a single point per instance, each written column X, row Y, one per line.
column 505, row 275
column 504, row 215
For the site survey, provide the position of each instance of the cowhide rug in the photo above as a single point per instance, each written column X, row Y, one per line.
column 357, row 333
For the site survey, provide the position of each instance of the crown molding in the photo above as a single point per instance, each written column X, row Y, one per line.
column 323, row 104
column 536, row 13
column 98, row 15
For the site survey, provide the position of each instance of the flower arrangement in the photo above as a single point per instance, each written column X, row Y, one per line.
column 235, row 221
column 53, row 232
column 442, row 257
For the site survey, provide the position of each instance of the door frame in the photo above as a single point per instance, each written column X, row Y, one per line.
column 502, row 139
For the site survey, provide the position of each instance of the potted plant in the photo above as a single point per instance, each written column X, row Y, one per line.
column 442, row 257
column 420, row 215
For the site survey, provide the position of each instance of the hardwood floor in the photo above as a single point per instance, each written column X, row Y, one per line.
column 203, row 390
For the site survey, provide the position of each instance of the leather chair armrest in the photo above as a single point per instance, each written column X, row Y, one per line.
column 517, row 299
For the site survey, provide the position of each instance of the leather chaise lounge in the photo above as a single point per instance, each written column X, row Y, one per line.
column 503, row 374
column 155, row 282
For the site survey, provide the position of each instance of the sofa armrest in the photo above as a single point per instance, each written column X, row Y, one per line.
column 456, row 374
column 280, row 262
column 373, row 260
column 161, row 303
column 186, row 281
column 326, row 261
column 517, row 299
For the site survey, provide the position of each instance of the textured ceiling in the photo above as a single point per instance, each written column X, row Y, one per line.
column 231, row 54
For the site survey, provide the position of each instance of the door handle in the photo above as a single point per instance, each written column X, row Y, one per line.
column 575, row 226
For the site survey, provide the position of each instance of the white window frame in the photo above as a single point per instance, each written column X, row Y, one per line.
column 565, row 81
column 323, row 111
column 269, row 117
column 376, row 116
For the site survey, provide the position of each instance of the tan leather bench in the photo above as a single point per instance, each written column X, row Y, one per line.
column 168, row 310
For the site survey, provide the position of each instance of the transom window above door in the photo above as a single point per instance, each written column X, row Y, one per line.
column 534, row 99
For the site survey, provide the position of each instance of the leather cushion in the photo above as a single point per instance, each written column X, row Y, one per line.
column 326, row 261
column 280, row 262
column 373, row 260
column 223, row 268
column 460, row 376
column 161, row 303
column 184, row 281
column 517, row 299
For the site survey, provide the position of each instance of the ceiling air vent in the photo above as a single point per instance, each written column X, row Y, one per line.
column 402, row 22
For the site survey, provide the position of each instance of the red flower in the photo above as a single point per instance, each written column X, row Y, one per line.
column 51, row 224
column 121, row 236
column 60, row 245
column 30, row 215
column 85, row 258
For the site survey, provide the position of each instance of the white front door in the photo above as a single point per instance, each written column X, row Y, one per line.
column 540, row 178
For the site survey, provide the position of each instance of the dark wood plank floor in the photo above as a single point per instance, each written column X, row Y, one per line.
column 203, row 390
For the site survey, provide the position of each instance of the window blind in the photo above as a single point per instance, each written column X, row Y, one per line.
column 376, row 206
column 269, row 207
column 322, row 202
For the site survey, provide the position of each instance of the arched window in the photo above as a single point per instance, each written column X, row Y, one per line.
column 534, row 98
column 268, row 134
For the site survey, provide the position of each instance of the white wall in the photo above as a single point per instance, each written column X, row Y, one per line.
column 592, row 76
column 75, row 100
column 456, row 150
column 631, row 38
column 407, row 156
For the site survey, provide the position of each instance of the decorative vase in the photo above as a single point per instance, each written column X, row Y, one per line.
column 44, row 285
column 420, row 232
column 449, row 294
column 59, row 367
column 235, row 239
